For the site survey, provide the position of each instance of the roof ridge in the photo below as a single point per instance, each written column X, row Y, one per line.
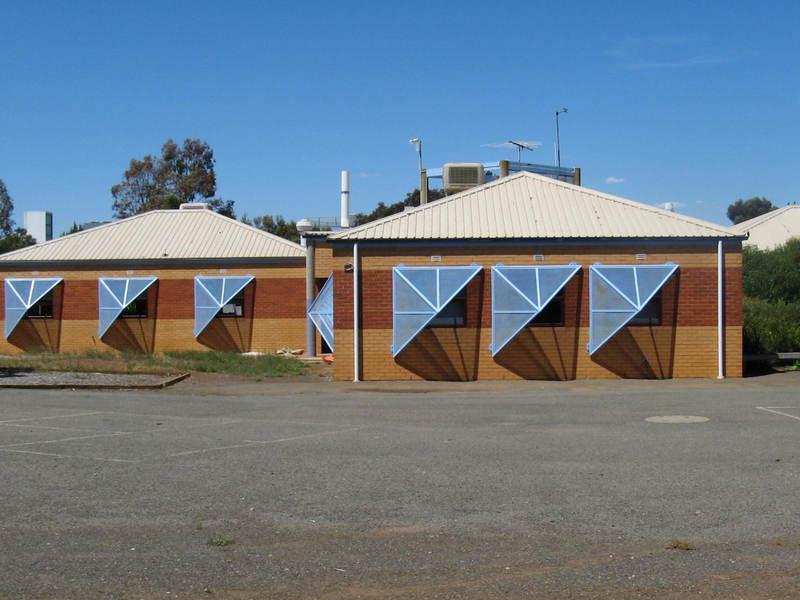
column 427, row 206
column 767, row 216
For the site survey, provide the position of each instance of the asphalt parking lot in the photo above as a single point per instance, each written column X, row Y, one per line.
column 403, row 491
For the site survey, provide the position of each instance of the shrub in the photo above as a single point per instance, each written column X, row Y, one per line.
column 771, row 326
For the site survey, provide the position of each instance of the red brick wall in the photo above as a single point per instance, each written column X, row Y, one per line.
column 274, row 312
column 683, row 345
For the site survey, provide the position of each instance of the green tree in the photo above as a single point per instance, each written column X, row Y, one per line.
column 275, row 225
column 743, row 210
column 181, row 174
column 385, row 210
column 74, row 229
column 12, row 237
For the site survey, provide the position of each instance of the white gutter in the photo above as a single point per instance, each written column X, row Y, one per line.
column 356, row 324
column 720, row 314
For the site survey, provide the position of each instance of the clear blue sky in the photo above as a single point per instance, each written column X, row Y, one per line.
column 687, row 102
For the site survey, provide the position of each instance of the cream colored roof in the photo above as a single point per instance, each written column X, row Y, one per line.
column 771, row 229
column 163, row 235
column 528, row 206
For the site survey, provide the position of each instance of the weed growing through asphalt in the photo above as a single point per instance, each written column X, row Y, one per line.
column 680, row 545
column 220, row 542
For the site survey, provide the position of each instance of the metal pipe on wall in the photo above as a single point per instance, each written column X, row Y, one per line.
column 356, row 323
column 720, row 312
column 311, row 334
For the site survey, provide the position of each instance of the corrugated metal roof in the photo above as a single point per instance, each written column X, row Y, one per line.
column 771, row 229
column 529, row 206
column 163, row 235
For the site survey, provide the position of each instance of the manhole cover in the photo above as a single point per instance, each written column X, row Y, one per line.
column 676, row 419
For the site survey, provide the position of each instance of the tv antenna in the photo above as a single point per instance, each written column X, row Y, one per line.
column 520, row 147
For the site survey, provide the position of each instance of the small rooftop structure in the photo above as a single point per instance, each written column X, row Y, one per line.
column 189, row 233
column 530, row 206
column 772, row 229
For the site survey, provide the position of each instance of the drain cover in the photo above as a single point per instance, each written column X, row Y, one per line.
column 676, row 419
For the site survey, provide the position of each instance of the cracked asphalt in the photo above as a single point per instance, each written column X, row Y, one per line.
column 412, row 490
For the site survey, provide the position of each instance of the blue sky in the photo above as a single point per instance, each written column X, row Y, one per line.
column 688, row 102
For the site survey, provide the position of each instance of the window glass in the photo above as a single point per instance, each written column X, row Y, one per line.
column 454, row 314
column 552, row 315
column 137, row 308
column 43, row 309
column 650, row 314
column 235, row 307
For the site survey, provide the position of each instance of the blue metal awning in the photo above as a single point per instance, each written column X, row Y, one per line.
column 519, row 293
column 211, row 293
column 321, row 312
column 617, row 293
column 115, row 294
column 21, row 294
column 419, row 294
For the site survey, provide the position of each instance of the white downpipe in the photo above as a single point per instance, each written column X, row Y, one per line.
column 720, row 313
column 356, row 324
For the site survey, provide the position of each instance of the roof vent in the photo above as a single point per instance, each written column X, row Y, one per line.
column 194, row 206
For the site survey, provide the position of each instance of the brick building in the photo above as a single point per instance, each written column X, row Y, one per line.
column 187, row 279
column 528, row 277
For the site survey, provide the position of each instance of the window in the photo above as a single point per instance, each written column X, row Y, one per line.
column 234, row 307
column 43, row 309
column 136, row 309
column 454, row 313
column 650, row 313
column 552, row 315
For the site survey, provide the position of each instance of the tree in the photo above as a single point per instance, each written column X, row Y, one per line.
column 12, row 237
column 276, row 225
column 74, row 229
column 743, row 210
column 181, row 174
column 384, row 210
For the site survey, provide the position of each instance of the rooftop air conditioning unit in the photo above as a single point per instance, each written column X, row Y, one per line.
column 462, row 176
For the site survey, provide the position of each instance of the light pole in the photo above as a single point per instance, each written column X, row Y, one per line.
column 423, row 175
column 558, row 138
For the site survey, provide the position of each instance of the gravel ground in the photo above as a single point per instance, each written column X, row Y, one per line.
column 17, row 378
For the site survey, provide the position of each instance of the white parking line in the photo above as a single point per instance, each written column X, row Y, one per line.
column 117, row 460
column 86, row 414
column 69, row 439
column 772, row 410
column 251, row 443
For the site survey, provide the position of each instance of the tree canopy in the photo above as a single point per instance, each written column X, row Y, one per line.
column 12, row 237
column 181, row 174
column 743, row 210
column 275, row 225
column 385, row 210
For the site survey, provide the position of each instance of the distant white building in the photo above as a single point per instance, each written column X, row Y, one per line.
column 39, row 223
column 772, row 229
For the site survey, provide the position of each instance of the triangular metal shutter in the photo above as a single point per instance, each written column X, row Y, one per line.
column 21, row 294
column 617, row 293
column 211, row 293
column 519, row 293
column 321, row 312
column 115, row 294
column 419, row 294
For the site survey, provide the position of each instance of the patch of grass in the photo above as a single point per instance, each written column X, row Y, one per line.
column 680, row 545
column 220, row 542
column 93, row 361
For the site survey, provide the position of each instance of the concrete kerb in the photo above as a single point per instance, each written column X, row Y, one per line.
column 100, row 386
